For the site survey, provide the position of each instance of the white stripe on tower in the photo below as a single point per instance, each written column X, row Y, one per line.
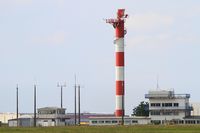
column 119, row 68
column 119, row 75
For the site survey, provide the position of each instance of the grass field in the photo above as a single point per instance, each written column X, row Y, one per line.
column 107, row 129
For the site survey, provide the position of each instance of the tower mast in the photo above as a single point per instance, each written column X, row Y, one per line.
column 118, row 24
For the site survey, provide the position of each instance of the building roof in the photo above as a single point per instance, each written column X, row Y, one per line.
column 51, row 108
column 126, row 117
column 154, row 94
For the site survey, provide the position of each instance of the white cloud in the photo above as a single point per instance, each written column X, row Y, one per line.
column 148, row 21
column 55, row 38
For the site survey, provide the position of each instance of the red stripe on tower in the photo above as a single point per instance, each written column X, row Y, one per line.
column 118, row 24
column 119, row 58
column 119, row 88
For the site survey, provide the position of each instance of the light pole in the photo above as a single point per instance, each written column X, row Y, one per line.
column 61, row 93
column 17, row 105
column 34, row 105
column 75, row 102
column 79, row 105
column 123, row 105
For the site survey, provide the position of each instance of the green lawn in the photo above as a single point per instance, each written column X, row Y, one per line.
column 107, row 129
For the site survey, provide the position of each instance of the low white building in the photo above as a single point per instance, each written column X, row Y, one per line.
column 96, row 121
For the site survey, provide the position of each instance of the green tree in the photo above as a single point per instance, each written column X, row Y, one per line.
column 142, row 109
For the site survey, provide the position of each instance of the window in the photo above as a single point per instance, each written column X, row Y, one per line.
column 176, row 104
column 101, row 121
column 94, row 122
column 127, row 121
column 155, row 112
column 107, row 121
column 114, row 121
column 155, row 104
column 181, row 122
column 189, row 122
column 134, row 121
column 156, row 122
column 167, row 113
column 167, row 104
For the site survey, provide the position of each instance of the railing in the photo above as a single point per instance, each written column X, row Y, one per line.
column 51, row 115
column 171, row 108
column 167, row 95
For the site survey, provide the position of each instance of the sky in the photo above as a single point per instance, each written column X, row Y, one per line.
column 45, row 42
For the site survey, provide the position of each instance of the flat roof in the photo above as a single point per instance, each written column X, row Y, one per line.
column 139, row 117
column 51, row 108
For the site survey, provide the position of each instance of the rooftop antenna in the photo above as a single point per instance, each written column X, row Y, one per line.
column 157, row 80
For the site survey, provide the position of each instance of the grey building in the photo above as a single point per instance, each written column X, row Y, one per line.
column 47, row 116
column 23, row 121
column 51, row 116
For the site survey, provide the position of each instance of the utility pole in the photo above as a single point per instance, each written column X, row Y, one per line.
column 123, row 106
column 79, row 105
column 17, row 106
column 61, row 93
column 75, row 102
column 34, row 105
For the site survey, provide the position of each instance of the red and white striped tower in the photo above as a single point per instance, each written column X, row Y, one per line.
column 118, row 24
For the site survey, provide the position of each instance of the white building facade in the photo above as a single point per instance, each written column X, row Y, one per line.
column 100, row 121
column 166, row 106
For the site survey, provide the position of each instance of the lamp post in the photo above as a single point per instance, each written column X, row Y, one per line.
column 79, row 105
column 34, row 106
column 17, row 105
column 61, row 93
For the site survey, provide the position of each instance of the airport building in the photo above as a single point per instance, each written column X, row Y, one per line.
column 97, row 121
column 47, row 116
column 166, row 106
